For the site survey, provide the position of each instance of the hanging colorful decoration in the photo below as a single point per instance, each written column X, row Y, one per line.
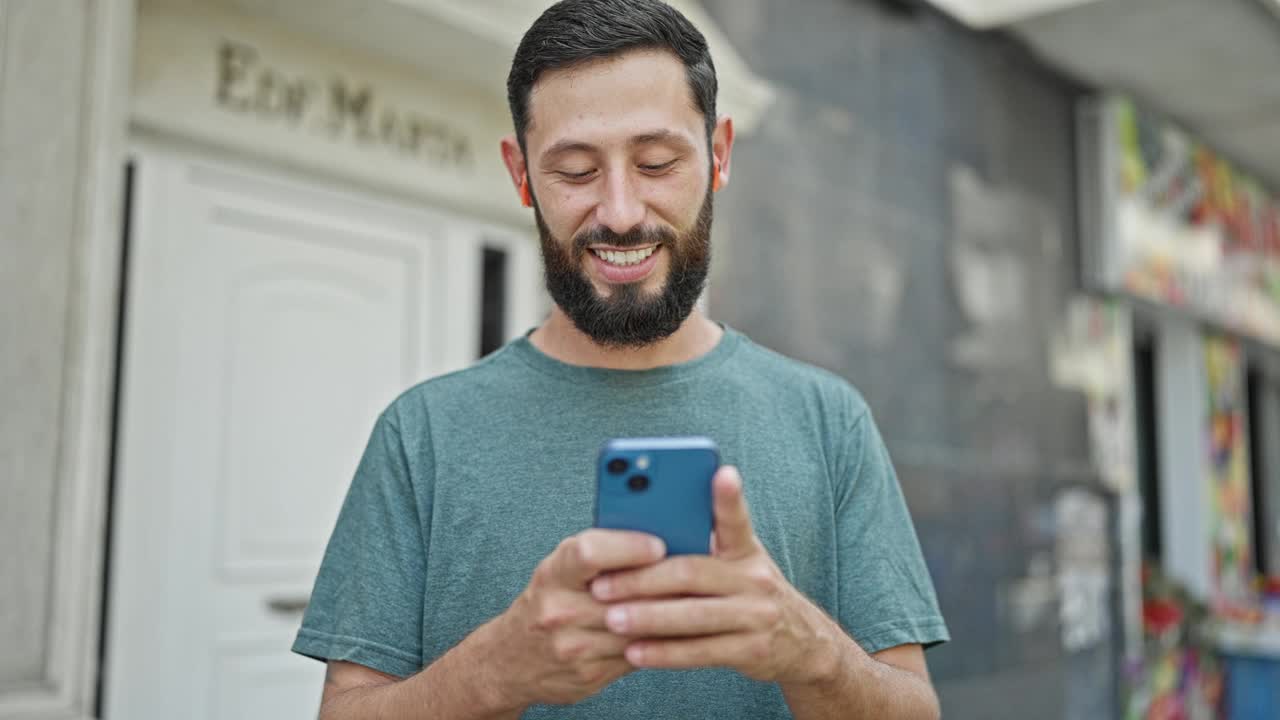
column 1233, row 569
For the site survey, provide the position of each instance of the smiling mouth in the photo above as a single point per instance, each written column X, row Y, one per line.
column 624, row 258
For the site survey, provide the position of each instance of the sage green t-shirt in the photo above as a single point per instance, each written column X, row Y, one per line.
column 470, row 479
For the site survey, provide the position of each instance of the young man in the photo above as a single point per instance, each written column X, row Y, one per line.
column 462, row 579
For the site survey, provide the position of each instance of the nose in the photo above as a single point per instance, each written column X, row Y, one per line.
column 621, row 209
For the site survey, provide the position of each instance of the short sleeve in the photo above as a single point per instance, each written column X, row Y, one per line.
column 366, row 606
column 886, row 597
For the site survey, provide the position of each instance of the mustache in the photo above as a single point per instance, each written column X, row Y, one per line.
column 639, row 236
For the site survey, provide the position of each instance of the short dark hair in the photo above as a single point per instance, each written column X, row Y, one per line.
column 577, row 31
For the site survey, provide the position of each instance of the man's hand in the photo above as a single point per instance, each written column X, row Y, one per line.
column 551, row 645
column 733, row 608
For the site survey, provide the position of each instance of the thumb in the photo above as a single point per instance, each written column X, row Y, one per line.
column 734, row 536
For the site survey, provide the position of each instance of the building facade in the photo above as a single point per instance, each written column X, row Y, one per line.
column 216, row 208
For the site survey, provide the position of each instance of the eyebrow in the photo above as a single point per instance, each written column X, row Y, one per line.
column 667, row 137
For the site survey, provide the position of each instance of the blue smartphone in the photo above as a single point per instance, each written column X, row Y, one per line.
column 660, row 486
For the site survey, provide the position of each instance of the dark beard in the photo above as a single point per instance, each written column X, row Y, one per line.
column 629, row 317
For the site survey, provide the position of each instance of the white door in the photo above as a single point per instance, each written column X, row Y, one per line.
column 267, row 323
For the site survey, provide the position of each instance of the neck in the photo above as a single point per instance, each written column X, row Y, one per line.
column 559, row 338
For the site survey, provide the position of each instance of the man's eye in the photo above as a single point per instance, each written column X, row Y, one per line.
column 660, row 167
column 576, row 176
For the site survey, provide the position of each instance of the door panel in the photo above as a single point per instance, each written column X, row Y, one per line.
column 268, row 323
column 301, row 320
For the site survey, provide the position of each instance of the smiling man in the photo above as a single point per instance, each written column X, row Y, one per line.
column 462, row 581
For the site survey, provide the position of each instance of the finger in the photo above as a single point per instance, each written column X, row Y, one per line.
column 592, row 552
column 734, row 536
column 587, row 645
column 731, row 650
column 565, row 608
column 679, row 575
column 690, row 617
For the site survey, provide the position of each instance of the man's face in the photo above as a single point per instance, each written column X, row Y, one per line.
column 618, row 164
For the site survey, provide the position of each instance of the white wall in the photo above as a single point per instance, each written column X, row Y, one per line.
column 63, row 70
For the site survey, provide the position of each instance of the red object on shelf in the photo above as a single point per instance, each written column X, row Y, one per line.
column 1160, row 615
column 1271, row 586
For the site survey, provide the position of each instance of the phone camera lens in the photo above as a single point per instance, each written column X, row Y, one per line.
column 638, row 483
column 617, row 466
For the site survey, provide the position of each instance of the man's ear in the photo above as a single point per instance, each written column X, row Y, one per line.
column 514, row 160
column 721, row 151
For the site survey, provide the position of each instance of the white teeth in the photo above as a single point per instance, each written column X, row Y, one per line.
column 630, row 257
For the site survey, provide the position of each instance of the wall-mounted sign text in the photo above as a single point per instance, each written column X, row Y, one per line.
column 337, row 108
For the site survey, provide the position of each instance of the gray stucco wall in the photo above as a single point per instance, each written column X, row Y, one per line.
column 40, row 85
column 905, row 217
column 61, row 138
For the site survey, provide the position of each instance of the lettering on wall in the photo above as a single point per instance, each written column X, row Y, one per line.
column 338, row 109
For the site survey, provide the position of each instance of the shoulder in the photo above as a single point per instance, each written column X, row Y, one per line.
column 490, row 377
column 787, row 377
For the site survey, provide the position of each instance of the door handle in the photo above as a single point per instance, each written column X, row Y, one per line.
column 288, row 605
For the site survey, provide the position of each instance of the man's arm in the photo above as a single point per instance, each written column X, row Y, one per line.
column 452, row 687
column 892, row 683
column 550, row 646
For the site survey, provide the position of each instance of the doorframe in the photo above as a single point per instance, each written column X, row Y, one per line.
column 134, row 526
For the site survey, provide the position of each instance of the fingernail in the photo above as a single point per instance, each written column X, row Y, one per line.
column 601, row 587
column 659, row 548
column 635, row 654
column 616, row 619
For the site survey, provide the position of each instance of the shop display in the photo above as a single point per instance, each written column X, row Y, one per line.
column 1189, row 229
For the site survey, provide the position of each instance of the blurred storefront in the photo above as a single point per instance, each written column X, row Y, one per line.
column 1191, row 246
